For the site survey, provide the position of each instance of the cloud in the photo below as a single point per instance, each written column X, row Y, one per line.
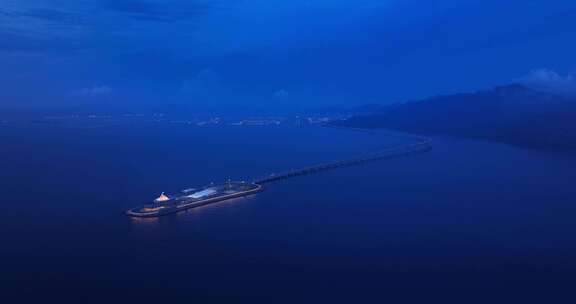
column 94, row 92
column 281, row 94
column 40, row 25
column 12, row 42
column 50, row 15
column 206, row 82
column 550, row 81
column 77, row 12
column 159, row 11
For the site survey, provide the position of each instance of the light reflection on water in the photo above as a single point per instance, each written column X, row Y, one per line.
column 144, row 221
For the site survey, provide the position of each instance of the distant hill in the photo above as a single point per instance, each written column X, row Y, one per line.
column 514, row 114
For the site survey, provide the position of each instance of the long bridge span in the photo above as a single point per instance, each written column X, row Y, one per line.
column 168, row 205
column 423, row 145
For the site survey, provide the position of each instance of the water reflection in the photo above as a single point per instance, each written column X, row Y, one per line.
column 144, row 221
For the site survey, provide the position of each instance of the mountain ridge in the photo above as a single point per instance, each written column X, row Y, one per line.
column 514, row 114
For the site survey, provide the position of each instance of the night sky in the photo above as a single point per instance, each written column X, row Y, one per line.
column 275, row 54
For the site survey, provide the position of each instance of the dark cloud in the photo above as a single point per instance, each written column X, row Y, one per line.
column 145, row 10
column 159, row 11
column 30, row 27
column 4, row 13
column 12, row 42
column 52, row 15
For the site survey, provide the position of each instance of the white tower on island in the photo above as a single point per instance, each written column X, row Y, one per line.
column 162, row 198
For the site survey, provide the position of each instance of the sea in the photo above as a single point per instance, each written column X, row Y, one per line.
column 468, row 222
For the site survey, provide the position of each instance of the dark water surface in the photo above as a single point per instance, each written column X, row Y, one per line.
column 469, row 222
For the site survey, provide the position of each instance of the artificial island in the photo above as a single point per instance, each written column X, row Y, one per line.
column 191, row 198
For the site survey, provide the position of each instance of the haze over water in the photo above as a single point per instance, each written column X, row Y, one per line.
column 470, row 221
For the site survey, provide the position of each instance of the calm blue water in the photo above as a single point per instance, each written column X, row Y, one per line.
column 469, row 222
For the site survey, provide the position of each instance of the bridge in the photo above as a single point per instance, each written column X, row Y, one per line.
column 423, row 145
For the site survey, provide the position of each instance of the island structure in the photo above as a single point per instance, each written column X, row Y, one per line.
column 191, row 198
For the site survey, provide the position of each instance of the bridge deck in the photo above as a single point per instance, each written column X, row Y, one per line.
column 421, row 146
